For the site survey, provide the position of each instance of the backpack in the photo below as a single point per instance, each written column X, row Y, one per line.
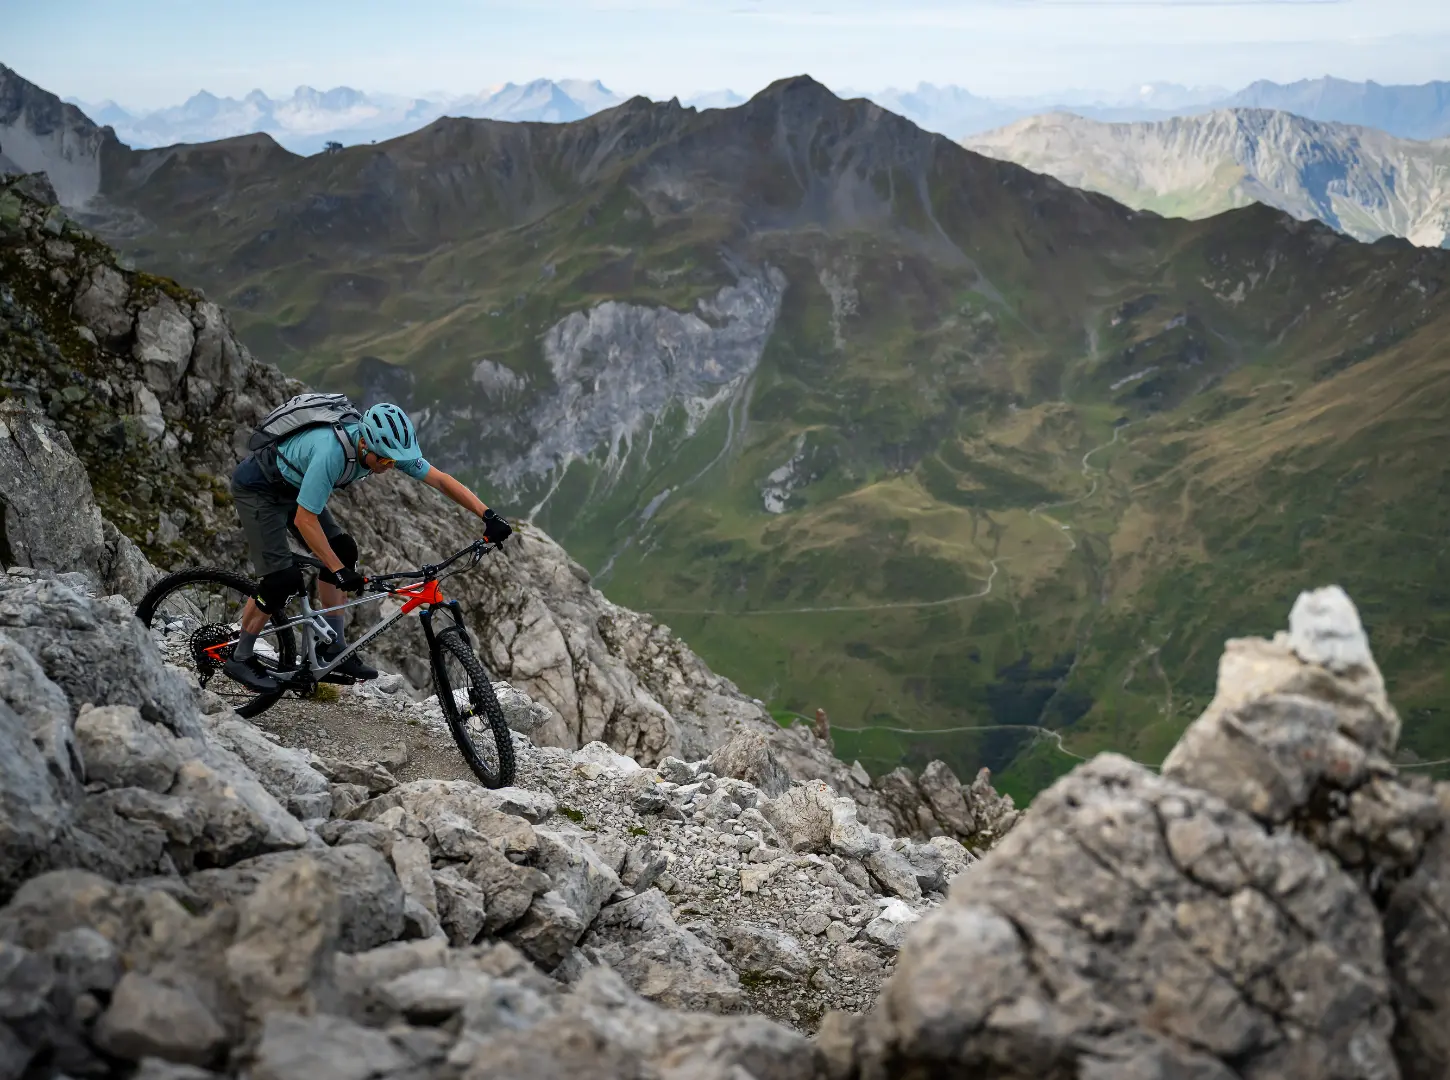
column 300, row 413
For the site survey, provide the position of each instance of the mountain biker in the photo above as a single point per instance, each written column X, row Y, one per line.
column 291, row 497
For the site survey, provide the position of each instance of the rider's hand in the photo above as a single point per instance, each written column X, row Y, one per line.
column 495, row 529
column 345, row 578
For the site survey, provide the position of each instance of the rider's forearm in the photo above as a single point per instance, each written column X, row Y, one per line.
column 439, row 479
column 316, row 539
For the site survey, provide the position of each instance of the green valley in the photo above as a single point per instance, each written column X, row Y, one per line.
column 878, row 425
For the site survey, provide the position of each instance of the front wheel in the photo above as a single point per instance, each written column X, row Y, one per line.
column 472, row 710
column 195, row 616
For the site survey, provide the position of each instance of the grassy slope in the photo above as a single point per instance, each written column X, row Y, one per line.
column 1001, row 328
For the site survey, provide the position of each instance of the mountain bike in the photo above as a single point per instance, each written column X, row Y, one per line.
column 195, row 615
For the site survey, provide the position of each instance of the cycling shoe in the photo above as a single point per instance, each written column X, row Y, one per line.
column 252, row 674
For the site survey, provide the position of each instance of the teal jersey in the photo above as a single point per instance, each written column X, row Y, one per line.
column 313, row 462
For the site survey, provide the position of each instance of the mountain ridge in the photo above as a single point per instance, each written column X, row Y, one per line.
column 1359, row 180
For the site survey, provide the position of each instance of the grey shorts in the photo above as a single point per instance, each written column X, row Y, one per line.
column 268, row 518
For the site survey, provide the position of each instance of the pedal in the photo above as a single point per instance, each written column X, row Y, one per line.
column 338, row 680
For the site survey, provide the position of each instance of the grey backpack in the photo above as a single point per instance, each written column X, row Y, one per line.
column 300, row 413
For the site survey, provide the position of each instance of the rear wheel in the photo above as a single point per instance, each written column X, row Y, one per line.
column 472, row 710
column 195, row 617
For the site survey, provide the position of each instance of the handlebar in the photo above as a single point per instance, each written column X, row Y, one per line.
column 427, row 572
column 432, row 571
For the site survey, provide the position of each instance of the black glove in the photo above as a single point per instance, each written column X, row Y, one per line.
column 495, row 529
column 347, row 579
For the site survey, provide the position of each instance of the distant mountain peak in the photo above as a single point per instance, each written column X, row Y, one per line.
column 1358, row 180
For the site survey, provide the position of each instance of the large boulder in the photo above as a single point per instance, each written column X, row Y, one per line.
column 748, row 756
column 461, row 817
column 1137, row 924
column 370, row 899
column 164, row 340
column 39, row 529
column 639, row 939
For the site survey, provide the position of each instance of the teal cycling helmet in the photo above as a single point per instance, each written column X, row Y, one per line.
column 389, row 433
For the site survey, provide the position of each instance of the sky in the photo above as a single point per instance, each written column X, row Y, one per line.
column 151, row 53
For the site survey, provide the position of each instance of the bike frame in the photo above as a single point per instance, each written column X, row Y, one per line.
column 424, row 596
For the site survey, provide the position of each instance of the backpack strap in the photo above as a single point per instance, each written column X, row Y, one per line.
column 349, row 453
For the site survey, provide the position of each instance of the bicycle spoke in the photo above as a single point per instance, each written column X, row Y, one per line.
column 195, row 620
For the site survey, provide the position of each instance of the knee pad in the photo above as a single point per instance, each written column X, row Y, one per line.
column 276, row 588
column 345, row 548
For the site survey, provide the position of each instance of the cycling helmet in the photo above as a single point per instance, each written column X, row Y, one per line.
column 389, row 433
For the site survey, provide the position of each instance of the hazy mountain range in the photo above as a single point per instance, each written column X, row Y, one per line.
column 1359, row 180
column 306, row 121
column 310, row 118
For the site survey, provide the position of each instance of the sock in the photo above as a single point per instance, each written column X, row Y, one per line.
column 242, row 650
column 336, row 622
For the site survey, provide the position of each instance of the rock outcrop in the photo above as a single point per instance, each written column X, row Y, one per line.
column 1272, row 905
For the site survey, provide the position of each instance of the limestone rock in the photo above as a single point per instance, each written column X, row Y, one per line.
column 33, row 813
column 366, row 774
column 895, row 874
column 460, row 817
column 415, row 872
column 286, row 773
column 889, row 929
column 323, row 1048
column 748, row 756
column 1155, row 958
column 149, row 1019
column 101, row 304
column 508, row 889
column 639, row 939
column 122, row 750
column 577, row 873
column 943, row 792
column 370, row 900
column 548, row 929
column 848, row 837
column 802, row 816
column 164, row 340
column 281, row 957
column 40, row 530
column 765, row 951
column 461, row 906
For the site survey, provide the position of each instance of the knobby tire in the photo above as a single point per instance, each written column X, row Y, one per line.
column 485, row 704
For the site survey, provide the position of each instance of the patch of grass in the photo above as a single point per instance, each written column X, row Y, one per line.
column 576, row 816
column 637, row 830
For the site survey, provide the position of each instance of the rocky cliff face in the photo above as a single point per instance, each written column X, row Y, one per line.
column 41, row 133
column 619, row 369
column 1358, row 180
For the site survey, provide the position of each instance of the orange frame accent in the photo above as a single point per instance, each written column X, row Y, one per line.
column 426, row 592
column 214, row 651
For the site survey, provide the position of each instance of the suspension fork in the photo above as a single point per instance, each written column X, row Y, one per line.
column 455, row 610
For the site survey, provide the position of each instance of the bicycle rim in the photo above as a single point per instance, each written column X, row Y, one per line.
column 471, row 708
column 195, row 616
